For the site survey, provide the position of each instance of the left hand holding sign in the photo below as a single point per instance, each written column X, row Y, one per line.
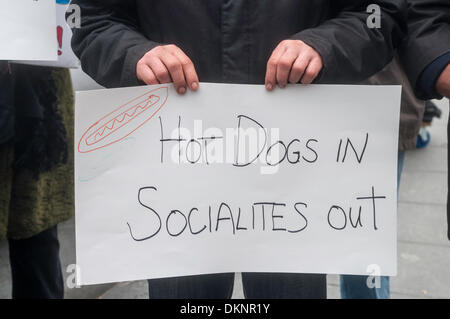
column 292, row 61
column 166, row 64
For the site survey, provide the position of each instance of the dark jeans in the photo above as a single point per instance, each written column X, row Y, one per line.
column 256, row 286
column 35, row 267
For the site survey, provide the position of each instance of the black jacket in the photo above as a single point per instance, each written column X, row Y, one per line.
column 231, row 40
column 429, row 38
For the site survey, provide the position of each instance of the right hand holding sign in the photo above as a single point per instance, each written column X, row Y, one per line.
column 443, row 83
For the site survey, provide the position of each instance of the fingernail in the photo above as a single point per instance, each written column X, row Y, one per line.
column 181, row 90
column 282, row 86
column 269, row 86
column 194, row 86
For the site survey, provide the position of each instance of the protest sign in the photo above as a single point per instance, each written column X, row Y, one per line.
column 28, row 30
column 233, row 178
column 66, row 57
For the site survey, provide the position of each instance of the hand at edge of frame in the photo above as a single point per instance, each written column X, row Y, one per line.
column 443, row 83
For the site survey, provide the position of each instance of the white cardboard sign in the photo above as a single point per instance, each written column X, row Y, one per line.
column 236, row 179
column 28, row 30
column 66, row 57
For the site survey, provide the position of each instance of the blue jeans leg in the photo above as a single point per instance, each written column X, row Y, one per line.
column 355, row 287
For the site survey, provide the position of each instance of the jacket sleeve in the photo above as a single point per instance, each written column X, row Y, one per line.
column 351, row 50
column 108, row 43
column 428, row 39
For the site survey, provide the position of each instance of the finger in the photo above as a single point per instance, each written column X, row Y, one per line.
column 176, row 71
column 271, row 72
column 298, row 69
column 312, row 71
column 284, row 67
column 147, row 75
column 160, row 70
column 188, row 68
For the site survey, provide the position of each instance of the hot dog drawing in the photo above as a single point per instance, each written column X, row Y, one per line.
column 123, row 121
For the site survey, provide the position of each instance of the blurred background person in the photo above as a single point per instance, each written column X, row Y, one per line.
column 36, row 169
column 425, row 53
column 431, row 111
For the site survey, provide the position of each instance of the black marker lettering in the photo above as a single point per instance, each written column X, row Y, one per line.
column 358, row 221
column 190, row 225
column 316, row 156
column 373, row 198
column 240, row 117
column 296, row 153
column 303, row 216
column 269, row 150
column 277, row 217
column 178, row 140
column 219, row 219
column 151, row 209
column 338, row 209
column 238, row 221
column 174, row 213
column 195, row 142
column 359, row 158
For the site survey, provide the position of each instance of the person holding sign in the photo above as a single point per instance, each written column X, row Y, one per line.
column 130, row 43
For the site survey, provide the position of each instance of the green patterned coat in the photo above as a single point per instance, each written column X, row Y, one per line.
column 29, row 206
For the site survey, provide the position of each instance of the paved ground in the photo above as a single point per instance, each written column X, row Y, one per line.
column 423, row 250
